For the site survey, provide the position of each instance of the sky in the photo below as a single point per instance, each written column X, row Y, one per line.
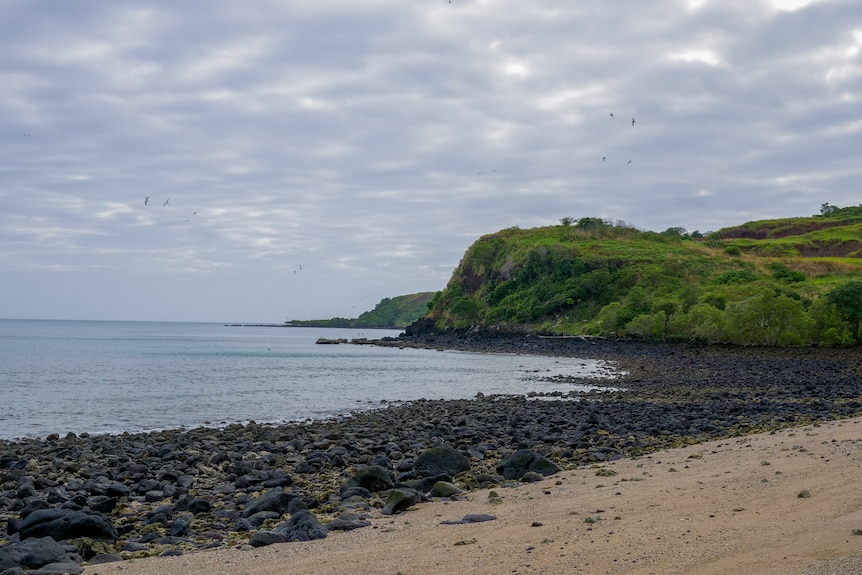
column 266, row 160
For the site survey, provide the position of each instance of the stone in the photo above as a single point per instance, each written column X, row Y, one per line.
column 441, row 460
column 66, row 524
column 400, row 499
column 32, row 554
column 302, row 526
column 445, row 489
column 275, row 500
column 197, row 506
column 102, row 503
column 524, row 460
column 374, row 478
column 264, row 538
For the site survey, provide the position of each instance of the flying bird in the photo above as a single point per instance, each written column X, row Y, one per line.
column 612, row 114
column 629, row 162
column 147, row 201
column 604, row 158
column 166, row 202
column 633, row 121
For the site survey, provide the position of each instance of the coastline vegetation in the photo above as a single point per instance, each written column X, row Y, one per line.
column 390, row 313
column 795, row 281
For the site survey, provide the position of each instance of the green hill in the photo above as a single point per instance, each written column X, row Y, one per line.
column 775, row 282
column 395, row 313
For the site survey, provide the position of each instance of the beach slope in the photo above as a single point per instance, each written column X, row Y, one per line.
column 785, row 503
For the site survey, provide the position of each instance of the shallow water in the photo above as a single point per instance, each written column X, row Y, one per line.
column 110, row 377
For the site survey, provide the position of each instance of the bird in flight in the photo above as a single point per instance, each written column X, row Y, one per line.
column 604, row 158
column 633, row 121
column 166, row 202
column 147, row 201
column 629, row 162
column 612, row 114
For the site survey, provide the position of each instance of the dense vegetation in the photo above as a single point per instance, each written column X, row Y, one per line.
column 776, row 282
column 397, row 312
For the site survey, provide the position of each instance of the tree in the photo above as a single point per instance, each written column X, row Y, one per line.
column 706, row 322
column 765, row 319
column 848, row 300
column 608, row 318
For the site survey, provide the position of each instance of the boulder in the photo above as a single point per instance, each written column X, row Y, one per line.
column 374, row 478
column 400, row 499
column 441, row 461
column 302, row 526
column 276, row 500
column 264, row 538
column 32, row 554
column 519, row 463
column 61, row 524
column 445, row 489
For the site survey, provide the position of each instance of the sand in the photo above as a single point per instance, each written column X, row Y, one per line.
column 723, row 507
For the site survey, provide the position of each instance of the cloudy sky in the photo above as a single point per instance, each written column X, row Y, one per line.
column 304, row 159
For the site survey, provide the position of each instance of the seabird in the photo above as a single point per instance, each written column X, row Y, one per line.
column 147, row 201
column 166, row 202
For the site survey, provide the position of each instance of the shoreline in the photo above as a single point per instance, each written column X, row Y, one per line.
column 675, row 395
column 726, row 506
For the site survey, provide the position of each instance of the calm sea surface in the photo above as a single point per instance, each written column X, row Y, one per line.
column 110, row 377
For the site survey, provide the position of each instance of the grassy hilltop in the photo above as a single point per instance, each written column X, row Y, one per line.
column 793, row 281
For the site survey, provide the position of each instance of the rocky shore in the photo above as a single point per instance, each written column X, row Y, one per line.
column 74, row 499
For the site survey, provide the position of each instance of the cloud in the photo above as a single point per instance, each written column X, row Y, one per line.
column 373, row 142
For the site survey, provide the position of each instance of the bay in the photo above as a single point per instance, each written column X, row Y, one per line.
column 112, row 377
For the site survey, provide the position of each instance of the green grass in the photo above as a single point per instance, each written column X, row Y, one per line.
column 563, row 276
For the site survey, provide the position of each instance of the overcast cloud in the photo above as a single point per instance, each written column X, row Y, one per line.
column 306, row 159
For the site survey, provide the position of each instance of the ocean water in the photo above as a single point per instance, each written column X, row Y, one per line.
column 111, row 377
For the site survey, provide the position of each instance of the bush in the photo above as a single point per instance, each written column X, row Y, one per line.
column 736, row 277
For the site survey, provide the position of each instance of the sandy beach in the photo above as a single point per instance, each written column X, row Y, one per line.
column 785, row 503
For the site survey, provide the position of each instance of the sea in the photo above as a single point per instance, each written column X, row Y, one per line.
column 110, row 377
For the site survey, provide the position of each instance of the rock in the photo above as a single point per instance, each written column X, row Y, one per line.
column 180, row 528
column 441, row 460
column 524, row 460
column 445, row 489
column 102, row 503
column 400, row 499
column 32, row 554
column 374, row 478
column 302, row 526
column 470, row 518
column 275, row 500
column 264, row 538
column 65, row 524
column 531, row 477
column 104, row 558
column 197, row 506
column 342, row 525
column 260, row 517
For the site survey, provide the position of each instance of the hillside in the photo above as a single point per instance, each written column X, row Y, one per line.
column 396, row 313
column 774, row 282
